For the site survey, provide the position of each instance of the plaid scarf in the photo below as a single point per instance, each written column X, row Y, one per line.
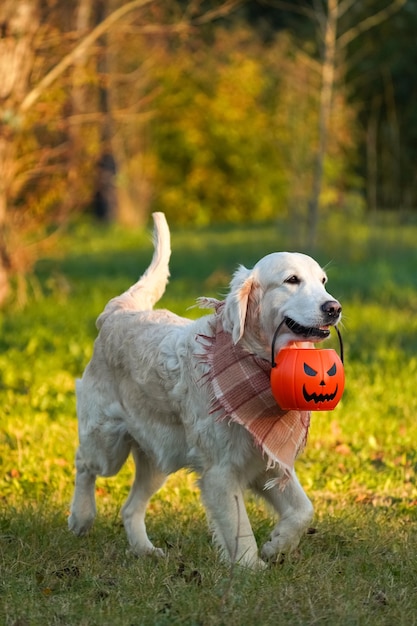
column 240, row 384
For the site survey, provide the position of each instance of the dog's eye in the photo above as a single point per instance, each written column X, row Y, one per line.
column 293, row 280
column 324, row 280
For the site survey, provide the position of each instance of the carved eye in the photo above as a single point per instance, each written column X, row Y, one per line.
column 309, row 370
column 332, row 370
column 293, row 280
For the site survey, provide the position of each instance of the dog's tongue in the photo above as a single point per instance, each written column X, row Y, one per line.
column 300, row 344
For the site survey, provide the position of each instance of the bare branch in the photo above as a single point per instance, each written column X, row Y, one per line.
column 289, row 6
column 223, row 10
column 102, row 28
column 80, row 49
column 320, row 16
column 344, row 6
column 369, row 23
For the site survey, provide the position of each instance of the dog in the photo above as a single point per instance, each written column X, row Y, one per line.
column 147, row 392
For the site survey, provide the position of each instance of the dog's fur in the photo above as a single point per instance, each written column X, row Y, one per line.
column 141, row 393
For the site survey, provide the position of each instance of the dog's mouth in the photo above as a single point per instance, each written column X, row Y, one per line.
column 307, row 332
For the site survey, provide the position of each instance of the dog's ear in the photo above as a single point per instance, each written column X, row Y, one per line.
column 236, row 306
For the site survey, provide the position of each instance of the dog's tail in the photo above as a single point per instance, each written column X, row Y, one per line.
column 150, row 287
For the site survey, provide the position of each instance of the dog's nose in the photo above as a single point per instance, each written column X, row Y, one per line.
column 332, row 308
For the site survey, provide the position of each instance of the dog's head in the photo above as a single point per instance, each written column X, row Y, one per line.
column 282, row 286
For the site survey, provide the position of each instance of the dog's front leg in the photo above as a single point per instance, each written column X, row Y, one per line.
column 295, row 511
column 223, row 498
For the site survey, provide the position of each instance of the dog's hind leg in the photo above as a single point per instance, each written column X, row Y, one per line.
column 148, row 479
column 102, row 460
column 104, row 447
column 223, row 498
column 83, row 506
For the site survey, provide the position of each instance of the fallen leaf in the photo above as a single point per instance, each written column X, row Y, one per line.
column 47, row 591
column 343, row 448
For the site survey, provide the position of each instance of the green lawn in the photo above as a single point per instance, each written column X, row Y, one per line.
column 357, row 566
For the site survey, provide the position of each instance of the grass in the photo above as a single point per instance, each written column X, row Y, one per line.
column 356, row 568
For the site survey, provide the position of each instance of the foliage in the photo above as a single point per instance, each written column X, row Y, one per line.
column 217, row 150
column 236, row 130
column 218, row 117
column 356, row 567
column 380, row 79
column 375, row 61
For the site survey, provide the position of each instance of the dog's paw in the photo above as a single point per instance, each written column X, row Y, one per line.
column 158, row 553
column 257, row 565
column 253, row 563
column 79, row 527
column 148, row 551
column 286, row 535
column 271, row 551
column 279, row 544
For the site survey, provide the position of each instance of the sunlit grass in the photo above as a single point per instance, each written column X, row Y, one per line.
column 358, row 468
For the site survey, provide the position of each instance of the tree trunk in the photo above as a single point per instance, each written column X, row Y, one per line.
column 79, row 106
column 372, row 160
column 326, row 92
column 105, row 197
column 19, row 22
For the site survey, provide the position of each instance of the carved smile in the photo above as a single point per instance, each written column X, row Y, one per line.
column 319, row 397
column 308, row 332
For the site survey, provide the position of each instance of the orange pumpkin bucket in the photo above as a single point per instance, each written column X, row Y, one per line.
column 309, row 379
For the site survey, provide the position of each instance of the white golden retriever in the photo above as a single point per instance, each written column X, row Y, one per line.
column 145, row 392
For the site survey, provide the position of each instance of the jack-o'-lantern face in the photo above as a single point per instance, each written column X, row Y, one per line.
column 320, row 386
column 307, row 378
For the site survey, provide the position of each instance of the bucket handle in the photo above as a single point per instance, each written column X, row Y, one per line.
column 274, row 338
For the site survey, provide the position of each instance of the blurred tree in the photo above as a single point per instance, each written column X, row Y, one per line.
column 19, row 26
column 35, row 51
column 52, row 129
column 79, row 105
column 146, row 103
column 334, row 34
column 235, row 129
column 355, row 40
column 381, row 74
column 216, row 145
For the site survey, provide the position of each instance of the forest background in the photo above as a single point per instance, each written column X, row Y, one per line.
column 233, row 111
